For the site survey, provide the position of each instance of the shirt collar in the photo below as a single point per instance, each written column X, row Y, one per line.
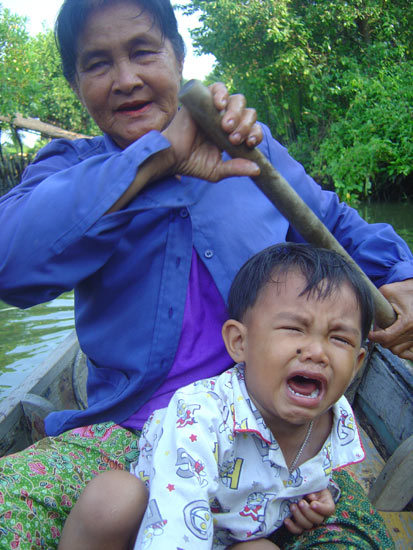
column 344, row 437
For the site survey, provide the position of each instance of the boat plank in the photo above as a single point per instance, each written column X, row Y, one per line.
column 400, row 527
column 393, row 488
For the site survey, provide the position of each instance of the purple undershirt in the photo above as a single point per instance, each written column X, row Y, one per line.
column 201, row 351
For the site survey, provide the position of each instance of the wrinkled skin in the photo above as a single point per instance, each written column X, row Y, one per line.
column 399, row 336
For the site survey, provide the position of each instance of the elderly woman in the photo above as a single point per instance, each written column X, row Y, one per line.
column 132, row 222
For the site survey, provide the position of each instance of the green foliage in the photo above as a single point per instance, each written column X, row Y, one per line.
column 14, row 66
column 56, row 103
column 372, row 144
column 31, row 81
column 317, row 73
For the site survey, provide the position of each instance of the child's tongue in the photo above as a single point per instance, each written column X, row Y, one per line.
column 304, row 386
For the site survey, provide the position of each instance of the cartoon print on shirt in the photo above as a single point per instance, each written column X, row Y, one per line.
column 230, row 472
column 257, row 415
column 327, row 462
column 255, row 508
column 216, row 507
column 225, row 425
column 241, row 426
column 295, row 479
column 264, row 451
column 146, row 450
column 346, row 427
column 198, row 519
column 207, row 383
column 284, row 511
column 153, row 525
column 185, row 414
column 143, row 476
column 222, row 539
column 189, row 467
column 148, row 443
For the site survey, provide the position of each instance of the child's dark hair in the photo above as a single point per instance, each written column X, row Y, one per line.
column 315, row 264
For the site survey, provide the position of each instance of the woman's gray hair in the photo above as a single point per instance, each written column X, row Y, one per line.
column 73, row 15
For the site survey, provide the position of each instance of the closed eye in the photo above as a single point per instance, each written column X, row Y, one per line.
column 291, row 328
column 96, row 66
column 343, row 340
column 143, row 53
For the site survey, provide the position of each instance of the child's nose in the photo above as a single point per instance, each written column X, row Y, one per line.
column 314, row 351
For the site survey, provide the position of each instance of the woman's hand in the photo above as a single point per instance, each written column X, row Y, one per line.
column 191, row 152
column 238, row 121
column 398, row 337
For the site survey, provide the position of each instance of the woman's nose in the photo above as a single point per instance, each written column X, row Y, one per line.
column 314, row 351
column 126, row 77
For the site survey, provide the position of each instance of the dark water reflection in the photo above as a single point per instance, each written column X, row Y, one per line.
column 399, row 215
column 28, row 336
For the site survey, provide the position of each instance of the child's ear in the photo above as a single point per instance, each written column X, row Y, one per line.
column 360, row 360
column 234, row 334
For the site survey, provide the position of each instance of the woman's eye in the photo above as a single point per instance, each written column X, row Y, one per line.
column 96, row 65
column 143, row 53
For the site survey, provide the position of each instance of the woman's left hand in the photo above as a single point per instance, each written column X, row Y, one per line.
column 398, row 337
column 192, row 154
column 238, row 120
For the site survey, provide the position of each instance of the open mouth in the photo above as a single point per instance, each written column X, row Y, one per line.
column 133, row 107
column 302, row 386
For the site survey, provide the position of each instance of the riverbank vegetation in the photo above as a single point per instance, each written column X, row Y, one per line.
column 332, row 79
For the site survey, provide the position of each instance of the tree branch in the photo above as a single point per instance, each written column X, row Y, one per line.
column 37, row 125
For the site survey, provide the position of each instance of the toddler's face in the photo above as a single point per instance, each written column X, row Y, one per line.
column 300, row 352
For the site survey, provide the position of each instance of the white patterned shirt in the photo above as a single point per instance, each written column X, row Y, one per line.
column 217, row 475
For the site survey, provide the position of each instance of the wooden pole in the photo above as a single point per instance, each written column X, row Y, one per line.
column 198, row 100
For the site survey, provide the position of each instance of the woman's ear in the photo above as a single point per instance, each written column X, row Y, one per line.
column 234, row 335
column 75, row 88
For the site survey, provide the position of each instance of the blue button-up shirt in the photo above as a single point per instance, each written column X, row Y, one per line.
column 130, row 268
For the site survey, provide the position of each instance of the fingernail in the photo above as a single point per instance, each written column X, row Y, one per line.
column 230, row 123
column 252, row 141
column 256, row 169
column 236, row 137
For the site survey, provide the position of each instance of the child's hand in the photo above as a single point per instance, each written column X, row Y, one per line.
column 310, row 511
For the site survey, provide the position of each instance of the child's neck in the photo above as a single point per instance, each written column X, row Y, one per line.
column 291, row 439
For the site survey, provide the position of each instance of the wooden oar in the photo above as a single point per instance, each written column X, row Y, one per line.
column 198, row 100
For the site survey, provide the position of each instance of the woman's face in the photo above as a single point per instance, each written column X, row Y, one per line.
column 128, row 76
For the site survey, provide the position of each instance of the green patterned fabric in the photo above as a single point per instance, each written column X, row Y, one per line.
column 356, row 525
column 39, row 485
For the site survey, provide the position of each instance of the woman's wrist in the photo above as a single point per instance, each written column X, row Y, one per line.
column 152, row 169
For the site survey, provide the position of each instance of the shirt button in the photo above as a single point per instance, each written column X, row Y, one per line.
column 208, row 253
column 184, row 213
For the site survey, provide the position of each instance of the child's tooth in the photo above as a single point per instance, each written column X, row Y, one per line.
column 311, row 396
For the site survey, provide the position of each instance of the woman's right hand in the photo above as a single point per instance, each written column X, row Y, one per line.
column 191, row 152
